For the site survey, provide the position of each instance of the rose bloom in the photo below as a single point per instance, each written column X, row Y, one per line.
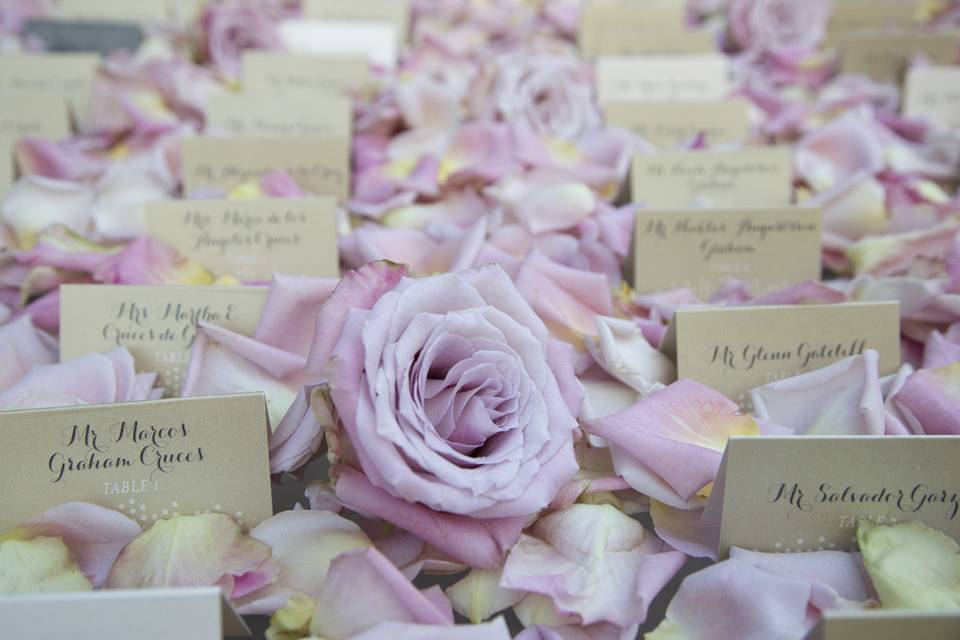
column 455, row 409
column 230, row 28
column 778, row 26
column 548, row 94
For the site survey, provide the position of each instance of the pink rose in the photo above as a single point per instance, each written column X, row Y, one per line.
column 778, row 26
column 548, row 95
column 456, row 411
column 230, row 28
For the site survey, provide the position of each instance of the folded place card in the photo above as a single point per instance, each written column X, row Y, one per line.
column 280, row 72
column 624, row 27
column 700, row 249
column 319, row 164
column 68, row 75
column 299, row 113
column 886, row 624
column 202, row 613
column 751, row 177
column 252, row 239
column 396, row 12
column 669, row 124
column 28, row 115
column 676, row 77
column 884, row 55
column 852, row 15
column 790, row 494
column 143, row 11
column 933, row 92
column 735, row 349
column 156, row 324
column 99, row 37
column 146, row 460
column 376, row 41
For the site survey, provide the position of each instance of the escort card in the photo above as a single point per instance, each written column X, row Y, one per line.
column 886, row 624
column 751, row 177
column 299, row 113
column 143, row 11
column 202, row 614
column 33, row 115
column 146, row 460
column 396, row 12
column 668, row 124
column 853, row 15
column 376, row 41
column 252, row 239
column 677, row 77
column 689, row 77
column 156, row 324
column 884, row 55
column 700, row 249
column 934, row 93
column 68, row 75
column 808, row 493
column 735, row 349
column 624, row 27
column 99, row 37
column 318, row 164
column 272, row 72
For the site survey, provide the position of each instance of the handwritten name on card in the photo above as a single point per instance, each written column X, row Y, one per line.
column 754, row 177
column 886, row 624
column 884, row 55
column 701, row 249
column 252, row 239
column 855, row 15
column 669, row 124
column 736, row 349
column 143, row 11
column 618, row 27
column 156, row 324
column 61, row 75
column 806, row 493
column 674, row 77
column 933, row 92
column 318, row 164
column 265, row 72
column 299, row 113
column 148, row 460
column 396, row 12
column 33, row 115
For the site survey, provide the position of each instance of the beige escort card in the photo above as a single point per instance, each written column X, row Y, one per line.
column 156, row 324
column 626, row 27
column 700, row 249
column 67, row 75
column 884, row 55
column 669, row 124
column 677, row 77
column 298, row 113
column 751, row 177
column 735, row 349
column 886, row 624
column 318, row 164
column 396, row 12
column 376, row 41
column 934, row 93
column 252, row 239
column 202, row 613
column 28, row 114
column 273, row 72
column 809, row 493
column 854, row 15
column 143, row 11
column 147, row 460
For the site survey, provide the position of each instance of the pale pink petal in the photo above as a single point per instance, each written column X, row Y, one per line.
column 495, row 630
column 478, row 596
column 35, row 203
column 930, row 400
column 94, row 535
column 668, row 445
column 685, row 530
column 363, row 589
column 594, row 562
column 622, row 350
column 837, row 151
column 289, row 315
column 23, row 347
column 843, row 398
